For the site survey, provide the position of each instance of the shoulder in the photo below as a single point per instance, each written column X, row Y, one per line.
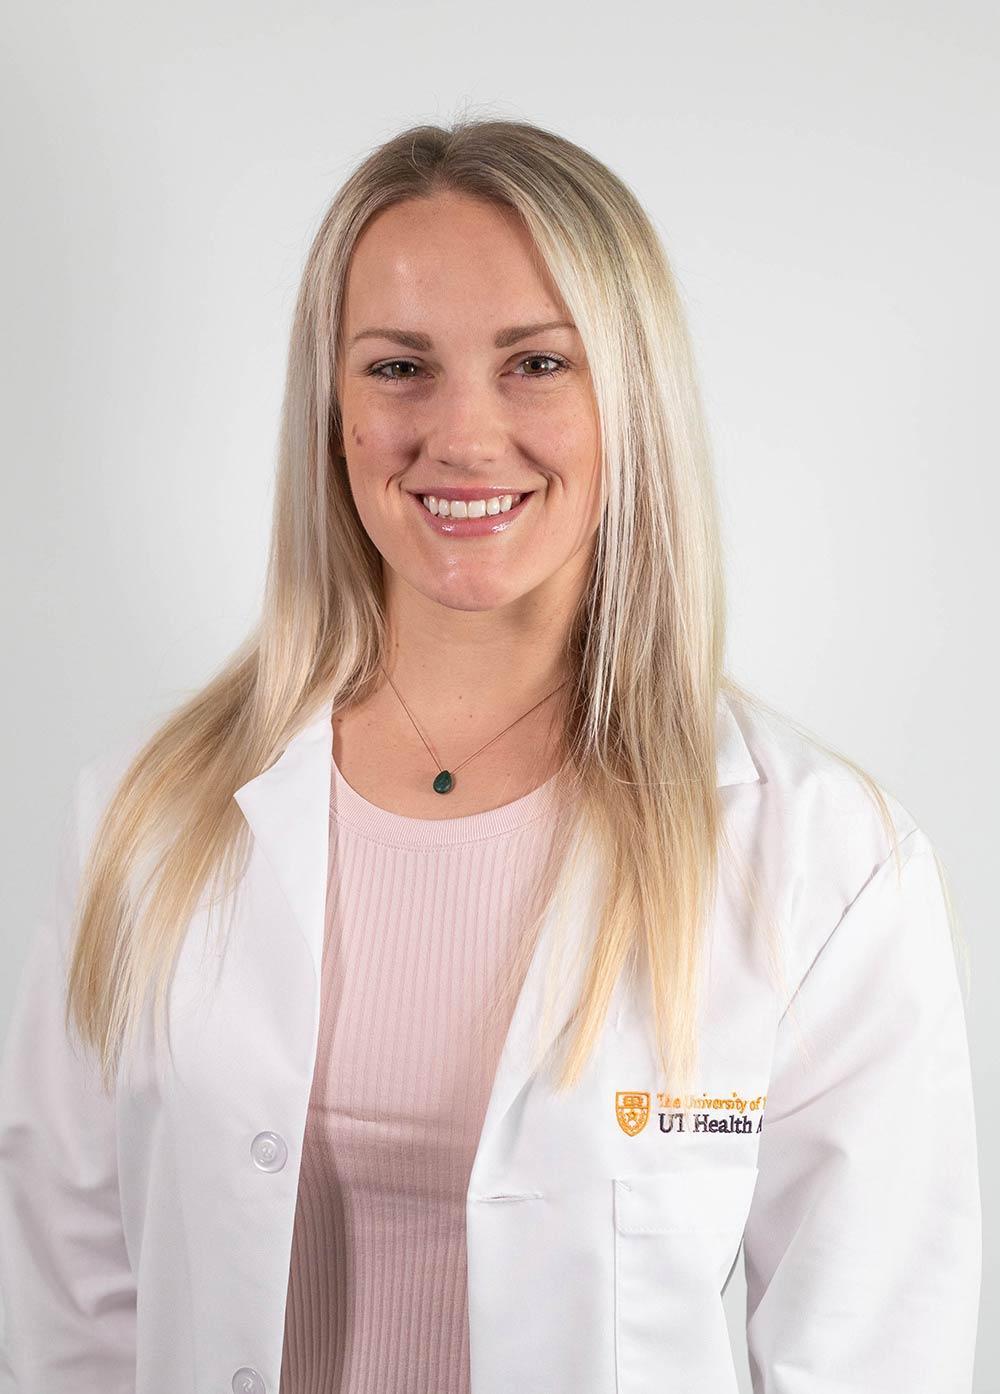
column 816, row 825
column 808, row 782
column 98, row 777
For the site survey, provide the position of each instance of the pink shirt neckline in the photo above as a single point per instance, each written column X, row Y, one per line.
column 352, row 810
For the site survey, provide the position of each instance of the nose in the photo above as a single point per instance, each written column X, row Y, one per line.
column 465, row 425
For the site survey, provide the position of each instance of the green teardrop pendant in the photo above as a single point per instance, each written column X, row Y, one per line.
column 444, row 782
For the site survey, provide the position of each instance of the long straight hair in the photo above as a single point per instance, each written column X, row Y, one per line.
column 645, row 647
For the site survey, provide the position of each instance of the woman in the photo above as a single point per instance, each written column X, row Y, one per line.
column 439, row 998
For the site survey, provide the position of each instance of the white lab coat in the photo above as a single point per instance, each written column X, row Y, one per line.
column 145, row 1241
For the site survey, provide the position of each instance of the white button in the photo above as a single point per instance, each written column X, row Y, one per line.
column 269, row 1152
column 248, row 1381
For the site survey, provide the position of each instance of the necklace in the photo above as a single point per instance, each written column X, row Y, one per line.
column 444, row 781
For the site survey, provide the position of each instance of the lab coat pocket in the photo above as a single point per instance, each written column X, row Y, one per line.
column 677, row 1232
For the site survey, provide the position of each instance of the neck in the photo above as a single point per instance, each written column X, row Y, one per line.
column 465, row 675
column 489, row 676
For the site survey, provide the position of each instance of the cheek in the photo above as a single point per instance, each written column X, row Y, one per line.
column 575, row 451
column 373, row 462
column 573, row 448
column 373, row 430
column 371, row 438
column 571, row 431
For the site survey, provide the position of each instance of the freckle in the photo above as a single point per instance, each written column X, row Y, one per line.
column 358, row 437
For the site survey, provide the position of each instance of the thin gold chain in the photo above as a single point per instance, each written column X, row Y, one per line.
column 482, row 747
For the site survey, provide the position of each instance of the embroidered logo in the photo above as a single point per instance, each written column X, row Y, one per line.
column 632, row 1111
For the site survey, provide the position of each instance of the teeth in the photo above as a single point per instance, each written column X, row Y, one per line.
column 474, row 508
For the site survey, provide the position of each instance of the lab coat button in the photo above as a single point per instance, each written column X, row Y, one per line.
column 248, row 1381
column 269, row 1152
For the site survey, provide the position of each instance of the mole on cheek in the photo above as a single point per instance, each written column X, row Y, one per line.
column 358, row 437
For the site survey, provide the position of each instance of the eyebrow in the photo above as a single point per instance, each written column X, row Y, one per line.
column 421, row 342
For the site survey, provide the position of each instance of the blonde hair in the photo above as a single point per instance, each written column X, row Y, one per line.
column 645, row 647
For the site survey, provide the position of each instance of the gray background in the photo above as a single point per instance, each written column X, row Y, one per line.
column 825, row 181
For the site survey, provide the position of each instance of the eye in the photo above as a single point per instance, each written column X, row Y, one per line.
column 375, row 370
column 561, row 364
column 378, row 370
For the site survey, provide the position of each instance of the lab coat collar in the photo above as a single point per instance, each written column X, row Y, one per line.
column 287, row 808
column 733, row 762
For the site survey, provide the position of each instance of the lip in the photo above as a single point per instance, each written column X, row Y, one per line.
column 474, row 527
column 464, row 495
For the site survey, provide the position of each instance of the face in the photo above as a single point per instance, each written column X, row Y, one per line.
column 447, row 392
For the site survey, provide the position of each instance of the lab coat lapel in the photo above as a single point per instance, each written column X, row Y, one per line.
column 537, row 1023
column 288, row 810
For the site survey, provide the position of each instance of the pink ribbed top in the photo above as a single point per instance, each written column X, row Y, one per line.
column 420, row 920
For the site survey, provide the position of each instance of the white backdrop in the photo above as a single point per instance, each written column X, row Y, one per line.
column 825, row 180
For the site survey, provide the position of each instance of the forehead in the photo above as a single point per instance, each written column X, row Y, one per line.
column 447, row 258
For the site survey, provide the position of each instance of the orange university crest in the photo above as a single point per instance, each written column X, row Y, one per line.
column 631, row 1110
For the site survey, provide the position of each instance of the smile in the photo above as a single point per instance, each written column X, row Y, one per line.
column 476, row 517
